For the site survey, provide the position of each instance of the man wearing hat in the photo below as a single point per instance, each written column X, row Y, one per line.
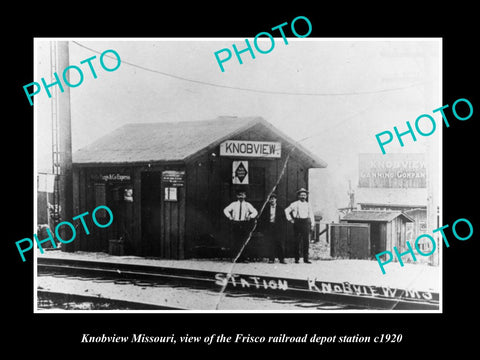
column 240, row 213
column 301, row 215
column 271, row 223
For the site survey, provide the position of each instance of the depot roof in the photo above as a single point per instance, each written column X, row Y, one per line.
column 174, row 141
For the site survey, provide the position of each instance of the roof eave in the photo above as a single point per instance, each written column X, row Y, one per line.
column 129, row 163
column 391, row 204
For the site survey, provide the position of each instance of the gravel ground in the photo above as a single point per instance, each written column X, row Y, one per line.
column 166, row 296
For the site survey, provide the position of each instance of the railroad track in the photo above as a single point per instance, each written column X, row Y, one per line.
column 277, row 290
column 59, row 300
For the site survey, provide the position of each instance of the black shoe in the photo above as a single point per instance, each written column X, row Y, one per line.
column 307, row 262
column 296, row 261
column 282, row 262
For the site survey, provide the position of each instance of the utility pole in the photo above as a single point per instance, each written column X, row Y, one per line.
column 62, row 142
column 351, row 196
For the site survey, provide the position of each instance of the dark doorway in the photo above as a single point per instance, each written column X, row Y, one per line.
column 376, row 238
column 112, row 194
column 151, row 213
column 350, row 240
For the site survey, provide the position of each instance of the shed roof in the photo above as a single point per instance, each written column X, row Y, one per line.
column 374, row 215
column 171, row 141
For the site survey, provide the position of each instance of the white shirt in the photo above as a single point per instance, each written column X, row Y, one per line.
column 299, row 210
column 240, row 211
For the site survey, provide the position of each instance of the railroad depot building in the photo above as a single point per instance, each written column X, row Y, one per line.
column 168, row 183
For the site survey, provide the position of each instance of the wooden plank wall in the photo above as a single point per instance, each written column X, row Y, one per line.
column 209, row 190
column 197, row 221
column 173, row 224
column 97, row 240
column 198, row 211
column 172, row 220
column 383, row 237
column 360, row 242
column 388, row 237
column 172, row 215
column 136, row 241
column 350, row 240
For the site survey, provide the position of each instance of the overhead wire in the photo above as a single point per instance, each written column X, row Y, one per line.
column 345, row 120
column 262, row 91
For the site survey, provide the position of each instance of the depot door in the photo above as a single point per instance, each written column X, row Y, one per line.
column 350, row 241
column 151, row 213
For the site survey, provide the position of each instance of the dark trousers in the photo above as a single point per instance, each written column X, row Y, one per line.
column 274, row 241
column 240, row 231
column 301, row 232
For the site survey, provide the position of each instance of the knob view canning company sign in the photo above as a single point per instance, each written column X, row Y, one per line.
column 265, row 149
column 392, row 171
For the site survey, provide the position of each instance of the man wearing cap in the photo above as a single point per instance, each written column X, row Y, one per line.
column 271, row 223
column 240, row 213
column 301, row 215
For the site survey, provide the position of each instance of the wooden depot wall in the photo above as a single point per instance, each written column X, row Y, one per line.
column 210, row 190
column 194, row 225
column 148, row 225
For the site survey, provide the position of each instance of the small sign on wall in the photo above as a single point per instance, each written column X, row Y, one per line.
column 110, row 177
column 173, row 178
column 171, row 194
column 46, row 182
column 240, row 172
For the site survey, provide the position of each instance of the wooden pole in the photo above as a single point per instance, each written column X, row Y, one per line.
column 65, row 146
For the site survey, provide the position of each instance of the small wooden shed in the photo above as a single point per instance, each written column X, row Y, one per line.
column 168, row 183
column 386, row 229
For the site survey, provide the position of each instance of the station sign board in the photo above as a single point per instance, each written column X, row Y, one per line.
column 244, row 148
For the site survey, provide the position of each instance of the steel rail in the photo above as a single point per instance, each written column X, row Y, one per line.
column 236, row 284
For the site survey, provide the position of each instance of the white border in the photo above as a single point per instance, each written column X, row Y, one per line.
column 339, row 39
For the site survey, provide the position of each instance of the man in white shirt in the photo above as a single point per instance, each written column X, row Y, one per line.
column 301, row 215
column 240, row 213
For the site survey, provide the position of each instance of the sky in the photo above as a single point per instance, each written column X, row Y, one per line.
column 331, row 95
